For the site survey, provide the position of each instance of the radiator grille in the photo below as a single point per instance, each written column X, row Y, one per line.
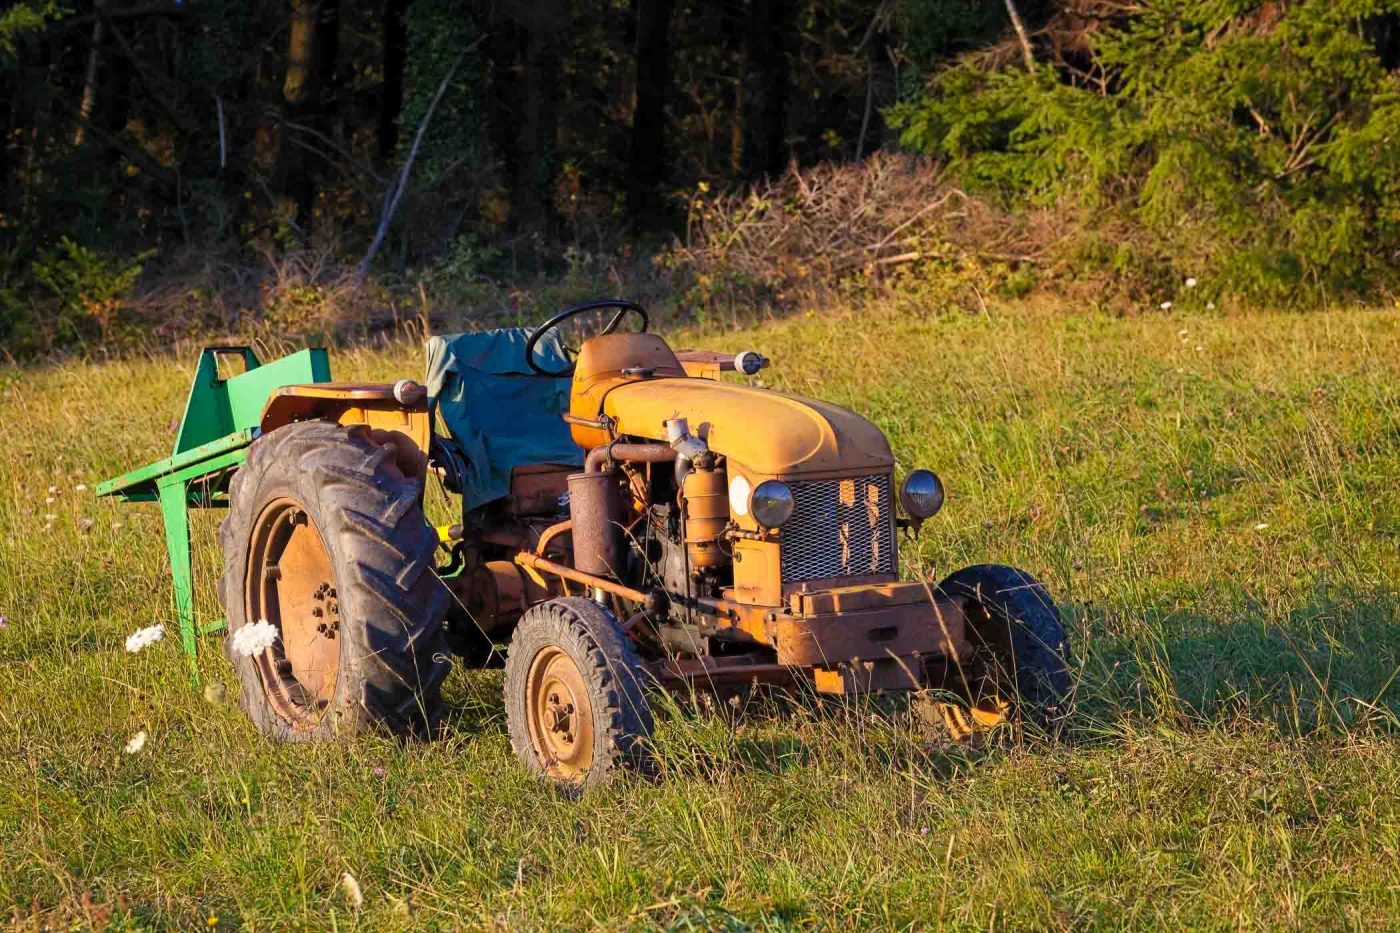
column 839, row 528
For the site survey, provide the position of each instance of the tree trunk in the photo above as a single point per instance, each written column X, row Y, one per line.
column 301, row 49
column 313, row 42
column 291, row 178
column 1021, row 35
column 653, row 60
column 395, row 40
column 89, row 100
column 766, row 87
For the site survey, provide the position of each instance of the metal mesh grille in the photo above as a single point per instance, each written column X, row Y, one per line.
column 839, row 528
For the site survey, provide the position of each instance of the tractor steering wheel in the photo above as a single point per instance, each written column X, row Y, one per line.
column 623, row 307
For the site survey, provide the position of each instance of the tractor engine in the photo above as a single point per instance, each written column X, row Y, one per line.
column 654, row 515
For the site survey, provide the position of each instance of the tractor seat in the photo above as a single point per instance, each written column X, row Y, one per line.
column 502, row 414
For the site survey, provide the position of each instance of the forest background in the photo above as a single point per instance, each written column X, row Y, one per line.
column 175, row 169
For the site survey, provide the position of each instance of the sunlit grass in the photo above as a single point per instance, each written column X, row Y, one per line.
column 1214, row 501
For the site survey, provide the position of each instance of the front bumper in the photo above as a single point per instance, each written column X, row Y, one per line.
column 871, row 637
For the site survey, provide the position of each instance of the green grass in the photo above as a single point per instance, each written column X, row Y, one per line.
column 1214, row 500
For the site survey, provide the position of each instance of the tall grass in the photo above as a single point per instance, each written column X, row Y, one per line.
column 1212, row 500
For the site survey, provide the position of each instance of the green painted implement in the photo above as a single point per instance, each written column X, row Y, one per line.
column 221, row 419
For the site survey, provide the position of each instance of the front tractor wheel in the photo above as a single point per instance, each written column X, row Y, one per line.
column 1019, row 670
column 325, row 540
column 575, row 703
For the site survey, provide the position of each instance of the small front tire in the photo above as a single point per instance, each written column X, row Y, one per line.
column 1019, row 670
column 576, row 707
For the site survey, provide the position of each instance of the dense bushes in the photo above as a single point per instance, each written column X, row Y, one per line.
column 1255, row 147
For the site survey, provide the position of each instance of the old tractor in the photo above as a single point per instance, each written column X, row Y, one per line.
column 631, row 519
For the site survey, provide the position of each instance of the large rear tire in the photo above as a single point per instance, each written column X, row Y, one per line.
column 575, row 703
column 1020, row 665
column 326, row 540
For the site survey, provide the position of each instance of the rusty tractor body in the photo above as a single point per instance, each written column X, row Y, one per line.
column 682, row 530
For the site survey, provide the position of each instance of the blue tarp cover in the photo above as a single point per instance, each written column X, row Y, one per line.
column 501, row 412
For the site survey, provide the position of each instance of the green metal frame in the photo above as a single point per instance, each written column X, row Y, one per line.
column 222, row 417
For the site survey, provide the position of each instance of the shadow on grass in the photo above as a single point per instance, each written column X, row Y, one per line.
column 1328, row 662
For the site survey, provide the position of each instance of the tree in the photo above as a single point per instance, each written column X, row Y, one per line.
column 765, row 85
column 653, row 70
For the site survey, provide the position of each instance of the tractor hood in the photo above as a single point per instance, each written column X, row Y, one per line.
column 768, row 433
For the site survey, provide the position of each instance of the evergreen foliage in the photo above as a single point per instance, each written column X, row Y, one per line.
column 1253, row 146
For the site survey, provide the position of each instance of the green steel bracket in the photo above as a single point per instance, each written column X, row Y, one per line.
column 222, row 418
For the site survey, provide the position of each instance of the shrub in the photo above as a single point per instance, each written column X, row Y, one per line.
column 1252, row 146
column 894, row 221
column 88, row 291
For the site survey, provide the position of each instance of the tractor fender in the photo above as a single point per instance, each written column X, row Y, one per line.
column 395, row 413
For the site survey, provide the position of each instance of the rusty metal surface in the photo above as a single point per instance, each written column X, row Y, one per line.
column 595, row 508
column 495, row 594
column 869, row 676
column 290, row 583
column 407, row 427
column 547, row 536
column 540, row 564
column 860, row 596
column 705, row 364
column 922, row 629
column 627, row 453
column 706, row 500
column 559, row 715
column 679, row 673
column 598, row 370
column 536, row 489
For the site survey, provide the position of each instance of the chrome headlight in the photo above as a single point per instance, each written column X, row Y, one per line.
column 771, row 503
column 921, row 495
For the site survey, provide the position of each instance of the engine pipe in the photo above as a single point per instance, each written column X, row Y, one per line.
column 632, row 453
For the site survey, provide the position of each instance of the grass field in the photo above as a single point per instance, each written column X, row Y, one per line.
column 1214, row 501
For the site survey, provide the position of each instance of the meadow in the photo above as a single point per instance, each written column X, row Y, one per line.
column 1213, row 499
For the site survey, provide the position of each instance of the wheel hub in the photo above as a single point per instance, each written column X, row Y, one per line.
column 291, row 584
column 559, row 717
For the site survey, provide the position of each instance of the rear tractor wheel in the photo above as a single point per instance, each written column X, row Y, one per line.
column 1019, row 671
column 326, row 542
column 575, row 703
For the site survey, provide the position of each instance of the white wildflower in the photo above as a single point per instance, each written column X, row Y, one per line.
column 53, row 490
column 81, row 487
column 1210, row 306
column 143, row 637
column 116, row 526
column 1166, row 306
column 50, row 517
column 1183, row 333
column 138, row 742
column 85, row 524
column 1190, row 283
column 1261, row 526
column 254, row 639
column 351, row 887
column 1200, row 349
column 50, row 500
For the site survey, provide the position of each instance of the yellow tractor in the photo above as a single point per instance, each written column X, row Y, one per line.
column 630, row 520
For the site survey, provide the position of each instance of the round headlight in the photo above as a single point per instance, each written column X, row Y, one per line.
column 739, row 490
column 771, row 503
column 922, row 494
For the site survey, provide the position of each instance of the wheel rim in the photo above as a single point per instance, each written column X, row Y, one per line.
column 559, row 715
column 291, row 584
